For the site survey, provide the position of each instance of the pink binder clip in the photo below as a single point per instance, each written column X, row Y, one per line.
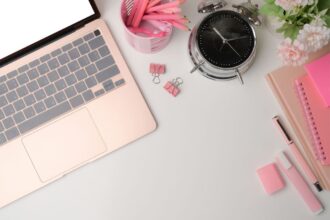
column 156, row 70
column 173, row 87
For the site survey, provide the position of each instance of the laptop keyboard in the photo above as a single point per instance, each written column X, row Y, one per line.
column 55, row 84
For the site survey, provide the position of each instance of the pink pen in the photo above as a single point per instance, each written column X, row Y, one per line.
column 298, row 156
column 153, row 3
column 299, row 183
column 139, row 13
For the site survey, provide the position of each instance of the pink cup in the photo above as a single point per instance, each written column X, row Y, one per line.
column 146, row 44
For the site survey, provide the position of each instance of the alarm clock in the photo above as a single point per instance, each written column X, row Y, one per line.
column 222, row 46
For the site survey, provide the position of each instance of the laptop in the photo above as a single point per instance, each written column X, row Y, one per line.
column 67, row 96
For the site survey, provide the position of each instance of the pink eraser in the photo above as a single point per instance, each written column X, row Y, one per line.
column 270, row 178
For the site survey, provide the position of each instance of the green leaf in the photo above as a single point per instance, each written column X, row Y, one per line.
column 270, row 1
column 327, row 20
column 291, row 32
column 271, row 9
column 323, row 4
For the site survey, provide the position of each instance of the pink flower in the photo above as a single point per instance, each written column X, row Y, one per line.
column 292, row 53
column 291, row 4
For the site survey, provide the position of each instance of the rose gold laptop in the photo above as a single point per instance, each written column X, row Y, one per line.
column 67, row 96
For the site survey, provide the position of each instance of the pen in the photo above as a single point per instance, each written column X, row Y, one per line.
column 162, row 17
column 297, row 154
column 299, row 183
column 164, row 6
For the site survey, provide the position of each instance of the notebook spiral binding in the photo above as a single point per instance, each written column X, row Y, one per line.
column 317, row 143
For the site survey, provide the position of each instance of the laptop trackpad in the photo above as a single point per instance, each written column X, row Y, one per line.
column 64, row 145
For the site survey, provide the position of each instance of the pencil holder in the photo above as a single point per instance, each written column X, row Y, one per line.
column 142, row 42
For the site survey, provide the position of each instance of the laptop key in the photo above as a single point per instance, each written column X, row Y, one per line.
column 96, row 43
column 55, row 53
column 120, row 82
column 67, row 47
column 40, row 94
column 42, row 81
column 12, row 133
column 99, row 92
column 3, row 89
column 45, row 58
column 39, row 107
column 9, row 110
column 107, row 73
column 50, row 89
column 19, row 117
column 76, row 101
column 3, row 101
column 78, row 42
column 50, row 102
column 104, row 51
column 53, row 64
column 33, row 74
column 43, row 68
column 108, row 85
column 46, row 116
column 74, row 54
column 32, row 86
column 12, row 96
column 3, row 78
column 88, row 95
column 90, row 82
column 19, row 105
column 29, row 112
column 29, row 100
column 53, row 76
column 22, row 91
column 23, row 69
column 60, row 85
column 22, row 79
column 73, row 66
column 34, row 63
column 2, row 138
column 70, row 80
column 83, row 49
column 94, row 56
column 2, row 128
column 8, row 123
column 2, row 115
column 63, row 59
column 91, row 69
column 105, row 62
column 81, row 87
column 70, row 92
column 60, row 97
column 63, row 71
column 12, row 74
column 89, row 36
column 12, row 84
column 81, row 74
column 83, row 61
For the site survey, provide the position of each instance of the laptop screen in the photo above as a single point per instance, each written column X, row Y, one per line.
column 24, row 22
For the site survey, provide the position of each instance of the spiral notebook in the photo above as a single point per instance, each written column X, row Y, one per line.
column 282, row 83
column 317, row 118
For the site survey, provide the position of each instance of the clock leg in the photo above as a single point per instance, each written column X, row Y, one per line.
column 197, row 66
column 239, row 76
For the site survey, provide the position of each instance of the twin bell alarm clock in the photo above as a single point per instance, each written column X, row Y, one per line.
column 223, row 45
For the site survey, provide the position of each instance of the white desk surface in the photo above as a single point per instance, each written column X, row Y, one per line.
column 199, row 164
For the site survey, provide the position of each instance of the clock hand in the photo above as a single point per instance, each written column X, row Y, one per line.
column 233, row 49
column 238, row 38
column 220, row 35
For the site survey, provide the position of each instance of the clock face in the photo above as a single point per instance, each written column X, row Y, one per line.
column 225, row 39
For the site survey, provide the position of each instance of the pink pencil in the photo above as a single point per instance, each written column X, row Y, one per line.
column 164, row 6
column 139, row 13
column 162, row 17
column 171, row 10
column 132, row 13
column 180, row 26
column 153, row 3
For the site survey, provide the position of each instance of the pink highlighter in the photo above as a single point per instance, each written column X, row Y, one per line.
column 299, row 183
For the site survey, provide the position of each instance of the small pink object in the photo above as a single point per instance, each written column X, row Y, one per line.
column 172, row 87
column 156, row 70
column 270, row 178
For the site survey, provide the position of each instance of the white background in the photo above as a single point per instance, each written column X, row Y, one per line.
column 25, row 22
column 199, row 164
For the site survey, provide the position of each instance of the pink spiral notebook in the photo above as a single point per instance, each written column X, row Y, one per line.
column 317, row 117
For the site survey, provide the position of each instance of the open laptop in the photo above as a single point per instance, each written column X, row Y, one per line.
column 67, row 96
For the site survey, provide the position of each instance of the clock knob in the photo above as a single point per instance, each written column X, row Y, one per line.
column 208, row 6
column 250, row 11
